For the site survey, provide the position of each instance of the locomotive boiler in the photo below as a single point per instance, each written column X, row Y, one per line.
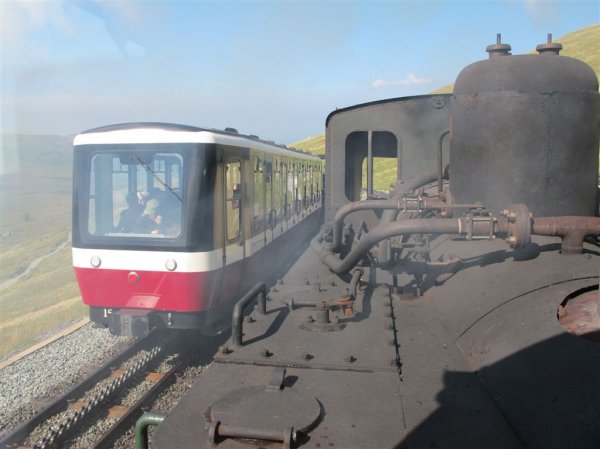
column 459, row 310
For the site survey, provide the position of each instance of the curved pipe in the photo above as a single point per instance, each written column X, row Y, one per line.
column 573, row 230
column 347, row 209
column 391, row 207
column 260, row 291
column 391, row 215
column 141, row 428
column 408, row 186
column 382, row 232
column 395, row 205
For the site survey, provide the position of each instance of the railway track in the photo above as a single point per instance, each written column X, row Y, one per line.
column 103, row 406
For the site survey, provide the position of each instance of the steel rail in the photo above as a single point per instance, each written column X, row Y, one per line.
column 20, row 433
column 129, row 418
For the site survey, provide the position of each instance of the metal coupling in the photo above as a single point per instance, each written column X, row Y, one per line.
column 479, row 225
column 516, row 225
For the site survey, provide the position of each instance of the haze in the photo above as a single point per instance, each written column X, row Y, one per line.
column 275, row 69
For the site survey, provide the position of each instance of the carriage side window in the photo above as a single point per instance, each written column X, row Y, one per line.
column 258, row 196
column 306, row 198
column 233, row 179
column 372, row 164
column 313, row 178
column 268, row 179
column 318, row 179
column 135, row 194
column 296, row 190
column 277, row 194
column 287, row 191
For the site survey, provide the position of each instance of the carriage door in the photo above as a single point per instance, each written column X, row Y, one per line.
column 232, row 222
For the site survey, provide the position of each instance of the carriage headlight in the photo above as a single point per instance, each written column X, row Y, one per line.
column 171, row 264
column 95, row 261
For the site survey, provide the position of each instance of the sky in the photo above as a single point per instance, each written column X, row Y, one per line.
column 271, row 68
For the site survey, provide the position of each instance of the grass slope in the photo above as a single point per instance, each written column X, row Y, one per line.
column 314, row 144
column 35, row 200
column 582, row 44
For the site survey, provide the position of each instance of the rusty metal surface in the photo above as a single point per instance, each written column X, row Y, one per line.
column 369, row 401
column 501, row 310
column 267, row 409
column 541, row 378
column 297, row 338
column 483, row 359
column 580, row 315
column 344, row 397
column 523, row 132
column 491, row 274
column 573, row 230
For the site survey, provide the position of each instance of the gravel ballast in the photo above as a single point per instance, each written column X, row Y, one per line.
column 40, row 377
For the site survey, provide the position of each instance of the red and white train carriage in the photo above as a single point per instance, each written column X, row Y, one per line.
column 172, row 223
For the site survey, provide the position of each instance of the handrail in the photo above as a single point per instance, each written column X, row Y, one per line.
column 259, row 290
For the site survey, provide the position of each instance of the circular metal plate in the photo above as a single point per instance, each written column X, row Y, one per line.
column 266, row 408
column 580, row 314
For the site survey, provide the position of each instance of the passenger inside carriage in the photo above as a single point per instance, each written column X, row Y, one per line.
column 160, row 217
column 130, row 215
column 151, row 221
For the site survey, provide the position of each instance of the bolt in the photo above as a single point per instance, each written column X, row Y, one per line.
column 280, row 281
column 511, row 240
column 349, row 359
column 265, row 353
column 307, row 356
column 333, row 284
column 249, row 319
column 310, row 319
column 307, row 282
column 224, row 350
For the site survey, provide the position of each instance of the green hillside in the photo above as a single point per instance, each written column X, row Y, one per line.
column 583, row 44
column 35, row 200
column 313, row 144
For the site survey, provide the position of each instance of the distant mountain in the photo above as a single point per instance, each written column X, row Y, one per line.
column 43, row 155
column 583, row 44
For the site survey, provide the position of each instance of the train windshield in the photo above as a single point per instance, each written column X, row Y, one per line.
column 135, row 194
column 143, row 195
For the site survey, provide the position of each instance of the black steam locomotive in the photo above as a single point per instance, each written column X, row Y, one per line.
column 458, row 311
